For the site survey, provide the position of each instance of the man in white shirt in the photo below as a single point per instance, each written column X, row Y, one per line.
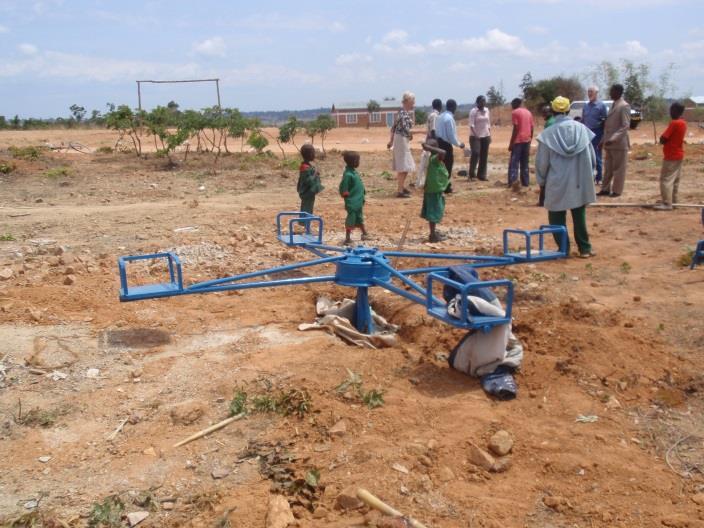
column 479, row 138
column 432, row 118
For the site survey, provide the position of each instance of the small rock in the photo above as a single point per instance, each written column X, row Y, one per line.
column 135, row 518
column 613, row 403
column 320, row 513
column 347, row 500
column 425, row 461
column 92, row 373
column 557, row 503
column 698, row 499
column 135, row 418
column 220, row 473
column 432, row 444
column 403, row 490
column 636, row 298
column 69, row 270
column 150, row 451
column 339, row 429
column 481, row 458
column 400, row 468
column 279, row 514
column 168, row 506
column 187, row 412
column 31, row 504
column 501, row 443
column 445, row 474
column 70, row 280
column 6, row 273
column 44, row 459
column 502, row 464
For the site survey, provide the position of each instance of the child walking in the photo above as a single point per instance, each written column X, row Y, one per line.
column 436, row 182
column 352, row 190
column 308, row 179
column 672, row 141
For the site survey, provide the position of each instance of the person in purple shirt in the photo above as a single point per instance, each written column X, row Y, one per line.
column 593, row 117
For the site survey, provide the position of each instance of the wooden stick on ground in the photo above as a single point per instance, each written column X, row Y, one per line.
column 117, row 429
column 377, row 504
column 646, row 205
column 210, row 429
column 403, row 235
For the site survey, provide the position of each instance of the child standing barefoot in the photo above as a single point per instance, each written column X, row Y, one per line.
column 436, row 182
column 352, row 190
column 308, row 179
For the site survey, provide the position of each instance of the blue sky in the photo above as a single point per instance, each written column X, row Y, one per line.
column 274, row 55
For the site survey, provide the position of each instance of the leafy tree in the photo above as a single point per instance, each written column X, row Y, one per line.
column 421, row 116
column 322, row 124
column 16, row 122
column 78, row 112
column 257, row 141
column 636, row 79
column 372, row 106
column 495, row 97
column 288, row 131
column 3, row 122
column 526, row 85
column 545, row 90
column 127, row 123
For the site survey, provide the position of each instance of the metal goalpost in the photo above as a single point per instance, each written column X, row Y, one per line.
column 139, row 88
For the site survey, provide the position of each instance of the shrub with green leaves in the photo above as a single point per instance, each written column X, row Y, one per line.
column 58, row 172
column 257, row 141
column 107, row 514
column 7, row 237
column 7, row 168
column 29, row 153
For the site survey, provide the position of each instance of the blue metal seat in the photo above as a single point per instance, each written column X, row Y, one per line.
column 307, row 221
column 531, row 254
column 698, row 256
column 467, row 320
column 151, row 291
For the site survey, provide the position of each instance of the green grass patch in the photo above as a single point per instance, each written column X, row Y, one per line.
column 107, row 514
column 58, row 172
column 104, row 150
column 685, row 259
column 26, row 153
column 7, row 168
column 7, row 237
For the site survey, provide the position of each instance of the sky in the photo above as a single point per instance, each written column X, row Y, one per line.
column 278, row 55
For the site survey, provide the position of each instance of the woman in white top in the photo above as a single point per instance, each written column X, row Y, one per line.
column 400, row 140
column 479, row 139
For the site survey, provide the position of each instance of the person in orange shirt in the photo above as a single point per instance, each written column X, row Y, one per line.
column 672, row 141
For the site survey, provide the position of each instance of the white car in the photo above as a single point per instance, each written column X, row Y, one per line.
column 576, row 112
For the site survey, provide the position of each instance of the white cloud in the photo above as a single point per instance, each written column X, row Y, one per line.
column 27, row 49
column 212, row 47
column 493, row 41
column 279, row 22
column 395, row 35
column 3, row 29
column 635, row 49
column 352, row 58
column 396, row 41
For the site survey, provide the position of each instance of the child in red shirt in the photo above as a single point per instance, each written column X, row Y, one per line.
column 672, row 141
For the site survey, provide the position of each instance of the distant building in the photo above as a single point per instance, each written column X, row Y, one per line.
column 357, row 115
column 694, row 108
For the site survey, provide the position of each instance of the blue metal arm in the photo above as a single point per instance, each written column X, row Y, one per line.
column 466, row 319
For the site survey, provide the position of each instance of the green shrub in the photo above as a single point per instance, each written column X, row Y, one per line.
column 57, row 172
column 104, row 150
column 7, row 168
column 7, row 237
column 26, row 153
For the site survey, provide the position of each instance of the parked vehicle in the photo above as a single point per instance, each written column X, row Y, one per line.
column 576, row 112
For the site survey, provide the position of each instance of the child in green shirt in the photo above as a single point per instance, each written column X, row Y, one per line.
column 308, row 179
column 352, row 190
column 436, row 182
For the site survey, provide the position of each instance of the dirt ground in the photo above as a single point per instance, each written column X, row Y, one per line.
column 608, row 427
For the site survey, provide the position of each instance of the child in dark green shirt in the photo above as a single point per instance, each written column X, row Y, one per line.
column 436, row 181
column 308, row 179
column 352, row 190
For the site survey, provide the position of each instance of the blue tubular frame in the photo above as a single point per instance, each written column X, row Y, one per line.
column 300, row 218
column 542, row 253
column 466, row 319
column 364, row 267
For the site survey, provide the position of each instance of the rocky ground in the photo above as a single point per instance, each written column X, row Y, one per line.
column 607, row 429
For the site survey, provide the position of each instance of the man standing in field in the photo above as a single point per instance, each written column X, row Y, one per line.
column 593, row 116
column 446, row 132
column 519, row 146
column 616, row 144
